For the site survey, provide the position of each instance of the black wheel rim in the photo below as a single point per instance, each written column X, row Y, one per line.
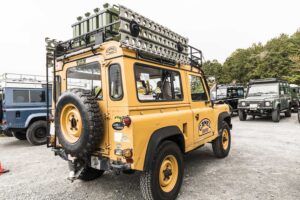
column 40, row 133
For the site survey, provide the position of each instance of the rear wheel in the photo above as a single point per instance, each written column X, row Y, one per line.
column 164, row 179
column 8, row 133
column 20, row 135
column 276, row 115
column 89, row 174
column 36, row 134
column 288, row 113
column 242, row 115
column 221, row 145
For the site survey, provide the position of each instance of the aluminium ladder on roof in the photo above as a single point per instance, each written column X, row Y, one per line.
column 133, row 31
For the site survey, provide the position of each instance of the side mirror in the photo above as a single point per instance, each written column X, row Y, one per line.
column 282, row 92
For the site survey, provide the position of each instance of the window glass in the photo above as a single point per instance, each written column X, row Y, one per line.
column 263, row 89
column 157, row 84
column 37, row 96
column 21, row 96
column 197, row 89
column 85, row 77
column 115, row 82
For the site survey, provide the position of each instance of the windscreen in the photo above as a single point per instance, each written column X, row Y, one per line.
column 263, row 89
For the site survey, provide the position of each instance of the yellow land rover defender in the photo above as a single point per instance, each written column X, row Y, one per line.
column 129, row 95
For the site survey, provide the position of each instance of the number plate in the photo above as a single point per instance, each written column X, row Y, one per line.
column 253, row 106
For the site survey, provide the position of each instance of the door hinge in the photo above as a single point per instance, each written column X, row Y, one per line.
column 106, row 116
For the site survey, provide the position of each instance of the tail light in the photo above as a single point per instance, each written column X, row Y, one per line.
column 126, row 121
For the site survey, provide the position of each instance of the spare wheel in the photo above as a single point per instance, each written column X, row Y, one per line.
column 78, row 122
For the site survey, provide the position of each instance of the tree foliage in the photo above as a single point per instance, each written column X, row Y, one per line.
column 278, row 58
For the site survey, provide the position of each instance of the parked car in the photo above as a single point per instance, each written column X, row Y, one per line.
column 127, row 109
column 229, row 94
column 266, row 97
column 295, row 93
column 23, row 110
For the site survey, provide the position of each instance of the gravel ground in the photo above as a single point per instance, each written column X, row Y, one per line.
column 264, row 163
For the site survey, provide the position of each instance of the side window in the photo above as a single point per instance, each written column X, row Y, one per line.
column 37, row 96
column 115, row 82
column 197, row 89
column 157, row 84
column 21, row 96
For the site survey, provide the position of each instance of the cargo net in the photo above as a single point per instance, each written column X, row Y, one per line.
column 133, row 31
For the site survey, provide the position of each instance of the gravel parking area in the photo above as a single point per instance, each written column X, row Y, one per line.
column 264, row 163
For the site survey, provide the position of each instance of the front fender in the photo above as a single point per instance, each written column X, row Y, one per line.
column 224, row 116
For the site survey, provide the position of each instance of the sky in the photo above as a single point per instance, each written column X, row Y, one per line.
column 217, row 27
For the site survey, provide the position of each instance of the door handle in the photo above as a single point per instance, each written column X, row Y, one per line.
column 197, row 117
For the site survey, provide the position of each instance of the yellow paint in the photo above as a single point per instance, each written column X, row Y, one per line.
column 168, row 173
column 147, row 117
column 71, row 123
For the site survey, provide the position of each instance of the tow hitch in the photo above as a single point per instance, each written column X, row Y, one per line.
column 76, row 168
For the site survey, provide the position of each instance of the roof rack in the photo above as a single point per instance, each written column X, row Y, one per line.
column 133, row 31
column 22, row 80
column 266, row 80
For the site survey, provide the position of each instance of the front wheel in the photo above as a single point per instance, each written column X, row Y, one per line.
column 221, row 145
column 164, row 179
column 242, row 115
column 276, row 115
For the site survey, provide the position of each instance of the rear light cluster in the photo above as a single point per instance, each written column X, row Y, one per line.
column 126, row 121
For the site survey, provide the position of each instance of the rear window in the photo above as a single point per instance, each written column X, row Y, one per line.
column 157, row 84
column 37, row 96
column 86, row 77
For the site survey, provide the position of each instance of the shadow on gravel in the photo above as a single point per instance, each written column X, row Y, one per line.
column 16, row 143
column 123, row 183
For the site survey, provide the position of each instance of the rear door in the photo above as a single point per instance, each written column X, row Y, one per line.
column 203, row 119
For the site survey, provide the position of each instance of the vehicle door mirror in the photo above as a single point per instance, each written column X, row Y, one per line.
column 281, row 92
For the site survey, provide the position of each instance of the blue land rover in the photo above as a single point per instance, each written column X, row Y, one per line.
column 23, row 112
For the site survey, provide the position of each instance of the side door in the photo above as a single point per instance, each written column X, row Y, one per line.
column 203, row 119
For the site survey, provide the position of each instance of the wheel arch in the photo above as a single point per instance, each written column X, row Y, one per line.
column 224, row 116
column 34, row 117
column 172, row 133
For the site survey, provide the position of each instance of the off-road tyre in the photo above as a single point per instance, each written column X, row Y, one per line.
column 276, row 115
column 36, row 134
column 20, row 135
column 128, row 171
column 8, row 133
column 242, row 115
column 92, row 122
column 219, row 148
column 288, row 113
column 149, row 180
column 231, row 113
column 89, row 174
